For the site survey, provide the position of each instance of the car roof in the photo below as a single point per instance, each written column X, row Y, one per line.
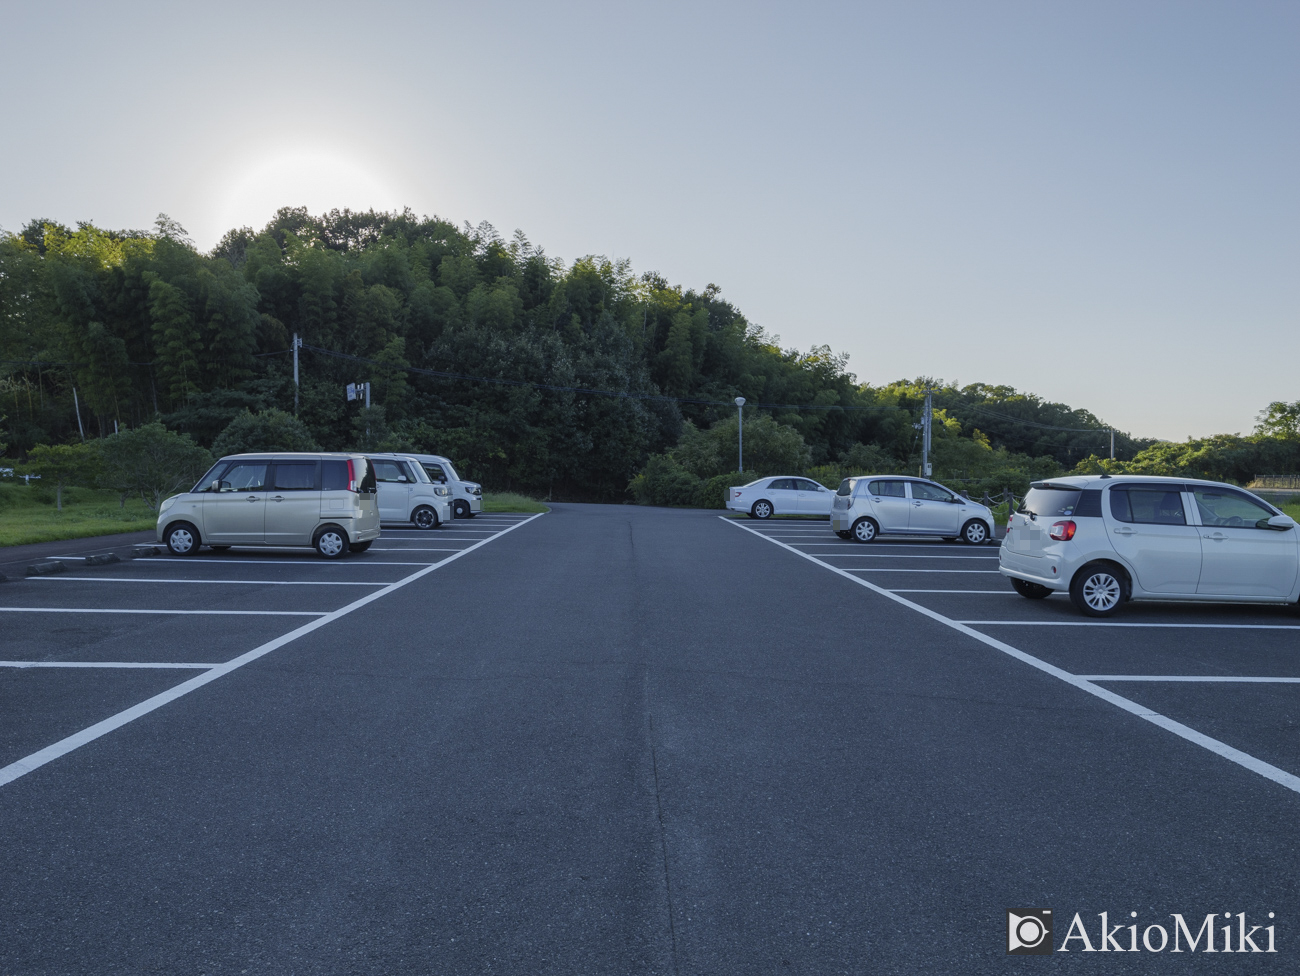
column 1102, row 480
column 276, row 455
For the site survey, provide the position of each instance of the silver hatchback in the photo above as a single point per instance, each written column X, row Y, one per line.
column 870, row 506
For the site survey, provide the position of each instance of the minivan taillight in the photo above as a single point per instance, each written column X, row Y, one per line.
column 352, row 476
column 1062, row 531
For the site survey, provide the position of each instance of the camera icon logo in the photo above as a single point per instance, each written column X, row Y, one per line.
column 1029, row 932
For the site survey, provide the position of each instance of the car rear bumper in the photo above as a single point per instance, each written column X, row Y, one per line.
column 1044, row 570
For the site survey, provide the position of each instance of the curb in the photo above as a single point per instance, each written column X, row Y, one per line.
column 45, row 569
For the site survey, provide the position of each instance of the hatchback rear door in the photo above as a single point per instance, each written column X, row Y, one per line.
column 889, row 500
column 1148, row 526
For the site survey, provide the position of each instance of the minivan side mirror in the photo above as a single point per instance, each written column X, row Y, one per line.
column 1279, row 522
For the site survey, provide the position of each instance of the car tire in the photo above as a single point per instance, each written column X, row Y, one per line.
column 330, row 541
column 219, row 548
column 1099, row 589
column 844, row 534
column 424, row 517
column 182, row 539
column 359, row 546
column 975, row 533
column 460, row 509
column 949, row 538
column 865, row 530
column 1030, row 591
column 762, row 509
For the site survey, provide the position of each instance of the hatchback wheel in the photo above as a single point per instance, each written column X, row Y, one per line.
column 1099, row 589
column 1030, row 591
column 425, row 517
column 330, row 542
column 183, row 539
column 975, row 532
column 865, row 530
column 762, row 509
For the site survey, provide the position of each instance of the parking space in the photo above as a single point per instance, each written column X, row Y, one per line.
column 1226, row 677
column 84, row 648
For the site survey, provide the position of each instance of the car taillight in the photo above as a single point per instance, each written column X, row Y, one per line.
column 1062, row 531
column 352, row 476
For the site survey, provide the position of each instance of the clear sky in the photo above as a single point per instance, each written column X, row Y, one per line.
column 1096, row 202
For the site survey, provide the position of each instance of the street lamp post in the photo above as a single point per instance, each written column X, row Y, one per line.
column 740, row 430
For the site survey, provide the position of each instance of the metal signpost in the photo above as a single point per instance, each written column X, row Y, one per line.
column 740, row 430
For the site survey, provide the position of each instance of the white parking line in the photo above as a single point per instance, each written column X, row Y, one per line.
column 37, row 759
column 131, row 579
column 101, row 664
column 888, row 569
column 1208, row 678
column 1243, row 759
column 895, row 555
column 990, row 592
column 415, row 549
column 306, row 561
column 1118, row 623
column 217, row 613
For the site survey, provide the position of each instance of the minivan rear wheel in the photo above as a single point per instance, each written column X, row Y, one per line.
column 865, row 530
column 425, row 517
column 1099, row 589
column 359, row 546
column 330, row 542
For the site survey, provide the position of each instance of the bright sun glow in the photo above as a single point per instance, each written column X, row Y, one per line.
column 319, row 180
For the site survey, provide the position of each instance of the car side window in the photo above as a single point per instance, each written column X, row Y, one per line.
column 244, row 477
column 388, row 471
column 1148, row 506
column 930, row 493
column 1218, row 506
column 782, row 484
column 806, row 485
column 894, row 489
column 295, row 475
column 435, row 472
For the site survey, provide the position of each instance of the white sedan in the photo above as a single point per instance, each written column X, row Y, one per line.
column 780, row 496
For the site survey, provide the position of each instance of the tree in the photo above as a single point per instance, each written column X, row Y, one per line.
column 64, row 464
column 1280, row 419
column 270, row 430
column 152, row 460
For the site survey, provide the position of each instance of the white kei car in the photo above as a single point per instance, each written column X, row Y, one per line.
column 867, row 506
column 1109, row 539
column 408, row 494
column 780, row 496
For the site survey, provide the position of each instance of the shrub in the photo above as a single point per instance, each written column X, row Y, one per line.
column 270, row 430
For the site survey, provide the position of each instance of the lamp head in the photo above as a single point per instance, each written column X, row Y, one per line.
column 740, row 401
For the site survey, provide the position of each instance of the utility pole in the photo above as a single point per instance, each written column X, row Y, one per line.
column 740, row 430
column 1112, row 443
column 925, row 433
column 296, row 344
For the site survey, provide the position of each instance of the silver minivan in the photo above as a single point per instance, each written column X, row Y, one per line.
column 326, row 501
column 408, row 494
column 466, row 496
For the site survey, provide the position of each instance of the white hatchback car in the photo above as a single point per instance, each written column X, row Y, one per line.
column 408, row 494
column 868, row 506
column 1108, row 539
column 780, row 496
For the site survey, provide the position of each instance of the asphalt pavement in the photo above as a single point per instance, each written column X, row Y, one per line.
column 621, row 740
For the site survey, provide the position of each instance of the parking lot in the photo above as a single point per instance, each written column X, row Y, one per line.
column 1219, row 675
column 616, row 739
column 90, row 649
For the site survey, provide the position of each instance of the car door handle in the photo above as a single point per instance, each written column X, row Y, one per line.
column 279, row 498
column 917, row 504
column 1217, row 537
column 252, row 498
column 1123, row 531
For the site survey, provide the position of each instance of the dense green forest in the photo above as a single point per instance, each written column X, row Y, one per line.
column 535, row 376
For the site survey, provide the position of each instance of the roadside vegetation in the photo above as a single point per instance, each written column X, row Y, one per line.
column 28, row 514
column 582, row 381
column 509, row 501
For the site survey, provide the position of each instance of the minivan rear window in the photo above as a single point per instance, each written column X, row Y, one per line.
column 1051, row 501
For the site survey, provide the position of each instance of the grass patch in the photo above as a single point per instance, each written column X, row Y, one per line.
column 27, row 515
column 1291, row 508
column 509, row 501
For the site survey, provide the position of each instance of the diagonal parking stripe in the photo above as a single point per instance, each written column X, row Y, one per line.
column 1243, row 759
column 75, row 741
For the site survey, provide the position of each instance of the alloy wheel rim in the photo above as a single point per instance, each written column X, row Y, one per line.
column 866, row 531
column 762, row 510
column 1101, row 591
column 975, row 533
column 423, row 519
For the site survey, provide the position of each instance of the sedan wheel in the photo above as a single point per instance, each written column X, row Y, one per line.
column 865, row 530
column 975, row 532
column 331, row 543
column 762, row 509
column 425, row 517
column 1098, row 589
